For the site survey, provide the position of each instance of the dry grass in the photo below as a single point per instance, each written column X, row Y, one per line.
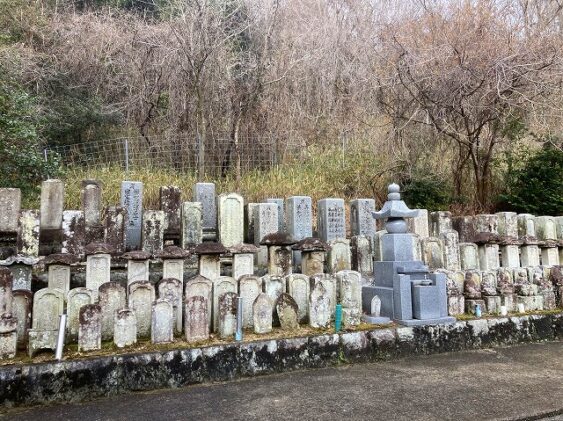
column 323, row 173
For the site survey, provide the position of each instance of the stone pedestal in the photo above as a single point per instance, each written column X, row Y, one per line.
column 529, row 255
column 510, row 256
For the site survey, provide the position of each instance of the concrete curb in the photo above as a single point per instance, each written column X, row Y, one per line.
column 90, row 378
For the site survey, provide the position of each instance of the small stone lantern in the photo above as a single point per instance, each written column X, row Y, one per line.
column 243, row 259
column 209, row 263
column 137, row 265
column 58, row 267
column 173, row 262
column 21, row 268
column 313, row 255
column 280, row 256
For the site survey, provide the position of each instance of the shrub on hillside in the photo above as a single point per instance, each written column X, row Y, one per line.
column 426, row 192
column 22, row 164
column 537, row 185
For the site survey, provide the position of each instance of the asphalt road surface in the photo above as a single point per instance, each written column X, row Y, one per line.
column 513, row 383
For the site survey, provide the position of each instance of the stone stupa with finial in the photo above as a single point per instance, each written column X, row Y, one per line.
column 409, row 293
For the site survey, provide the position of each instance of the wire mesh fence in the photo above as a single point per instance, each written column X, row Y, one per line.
column 182, row 153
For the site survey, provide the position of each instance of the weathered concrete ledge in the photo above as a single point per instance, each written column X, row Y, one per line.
column 89, row 378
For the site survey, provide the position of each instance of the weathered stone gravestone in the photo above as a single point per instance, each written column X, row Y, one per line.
column 299, row 211
column 526, row 226
column 28, row 234
column 273, row 286
column 450, row 242
column 153, row 231
column 221, row 285
column 339, row 256
column 98, row 266
column 162, row 322
column 249, row 288
column 231, row 219
column 508, row 224
column 201, row 286
column 420, row 225
column 90, row 328
column 132, row 202
column 73, row 232
column 243, row 259
column 330, row 285
column 546, row 229
column 170, row 204
column 440, row 222
column 21, row 268
column 279, row 253
column 298, row 288
column 468, row 256
column 52, row 204
column 374, row 316
column 170, row 289
column 489, row 258
column 137, row 265
column 204, row 193
column 76, row 299
column 8, row 336
column 91, row 199
column 192, row 224
column 21, row 309
column 281, row 212
column 313, row 255
column 530, row 255
column 111, row 297
column 510, row 254
column 10, row 206
column 173, row 262
column 349, row 284
column 8, row 323
column 209, row 259
column 115, row 227
column 249, row 222
column 196, row 318
column 141, row 297
column 265, row 222
column 125, row 328
column 262, row 310
column 227, row 314
column 361, row 221
column 362, row 255
column 331, row 219
column 432, row 254
column 6, row 288
column 48, row 305
column 320, row 306
column 58, row 266
column 299, row 221
column 287, row 311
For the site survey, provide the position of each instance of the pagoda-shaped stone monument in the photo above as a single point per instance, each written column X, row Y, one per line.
column 409, row 294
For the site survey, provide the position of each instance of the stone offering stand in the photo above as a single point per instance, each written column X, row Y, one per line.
column 173, row 276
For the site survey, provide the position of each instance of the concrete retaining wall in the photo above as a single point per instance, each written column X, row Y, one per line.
column 91, row 378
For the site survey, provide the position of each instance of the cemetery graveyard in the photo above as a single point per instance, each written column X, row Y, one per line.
column 214, row 269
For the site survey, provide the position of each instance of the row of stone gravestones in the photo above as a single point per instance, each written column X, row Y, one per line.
column 487, row 241
column 201, row 306
column 478, row 242
column 534, row 287
column 129, row 226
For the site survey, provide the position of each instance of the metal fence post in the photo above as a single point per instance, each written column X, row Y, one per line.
column 126, row 148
